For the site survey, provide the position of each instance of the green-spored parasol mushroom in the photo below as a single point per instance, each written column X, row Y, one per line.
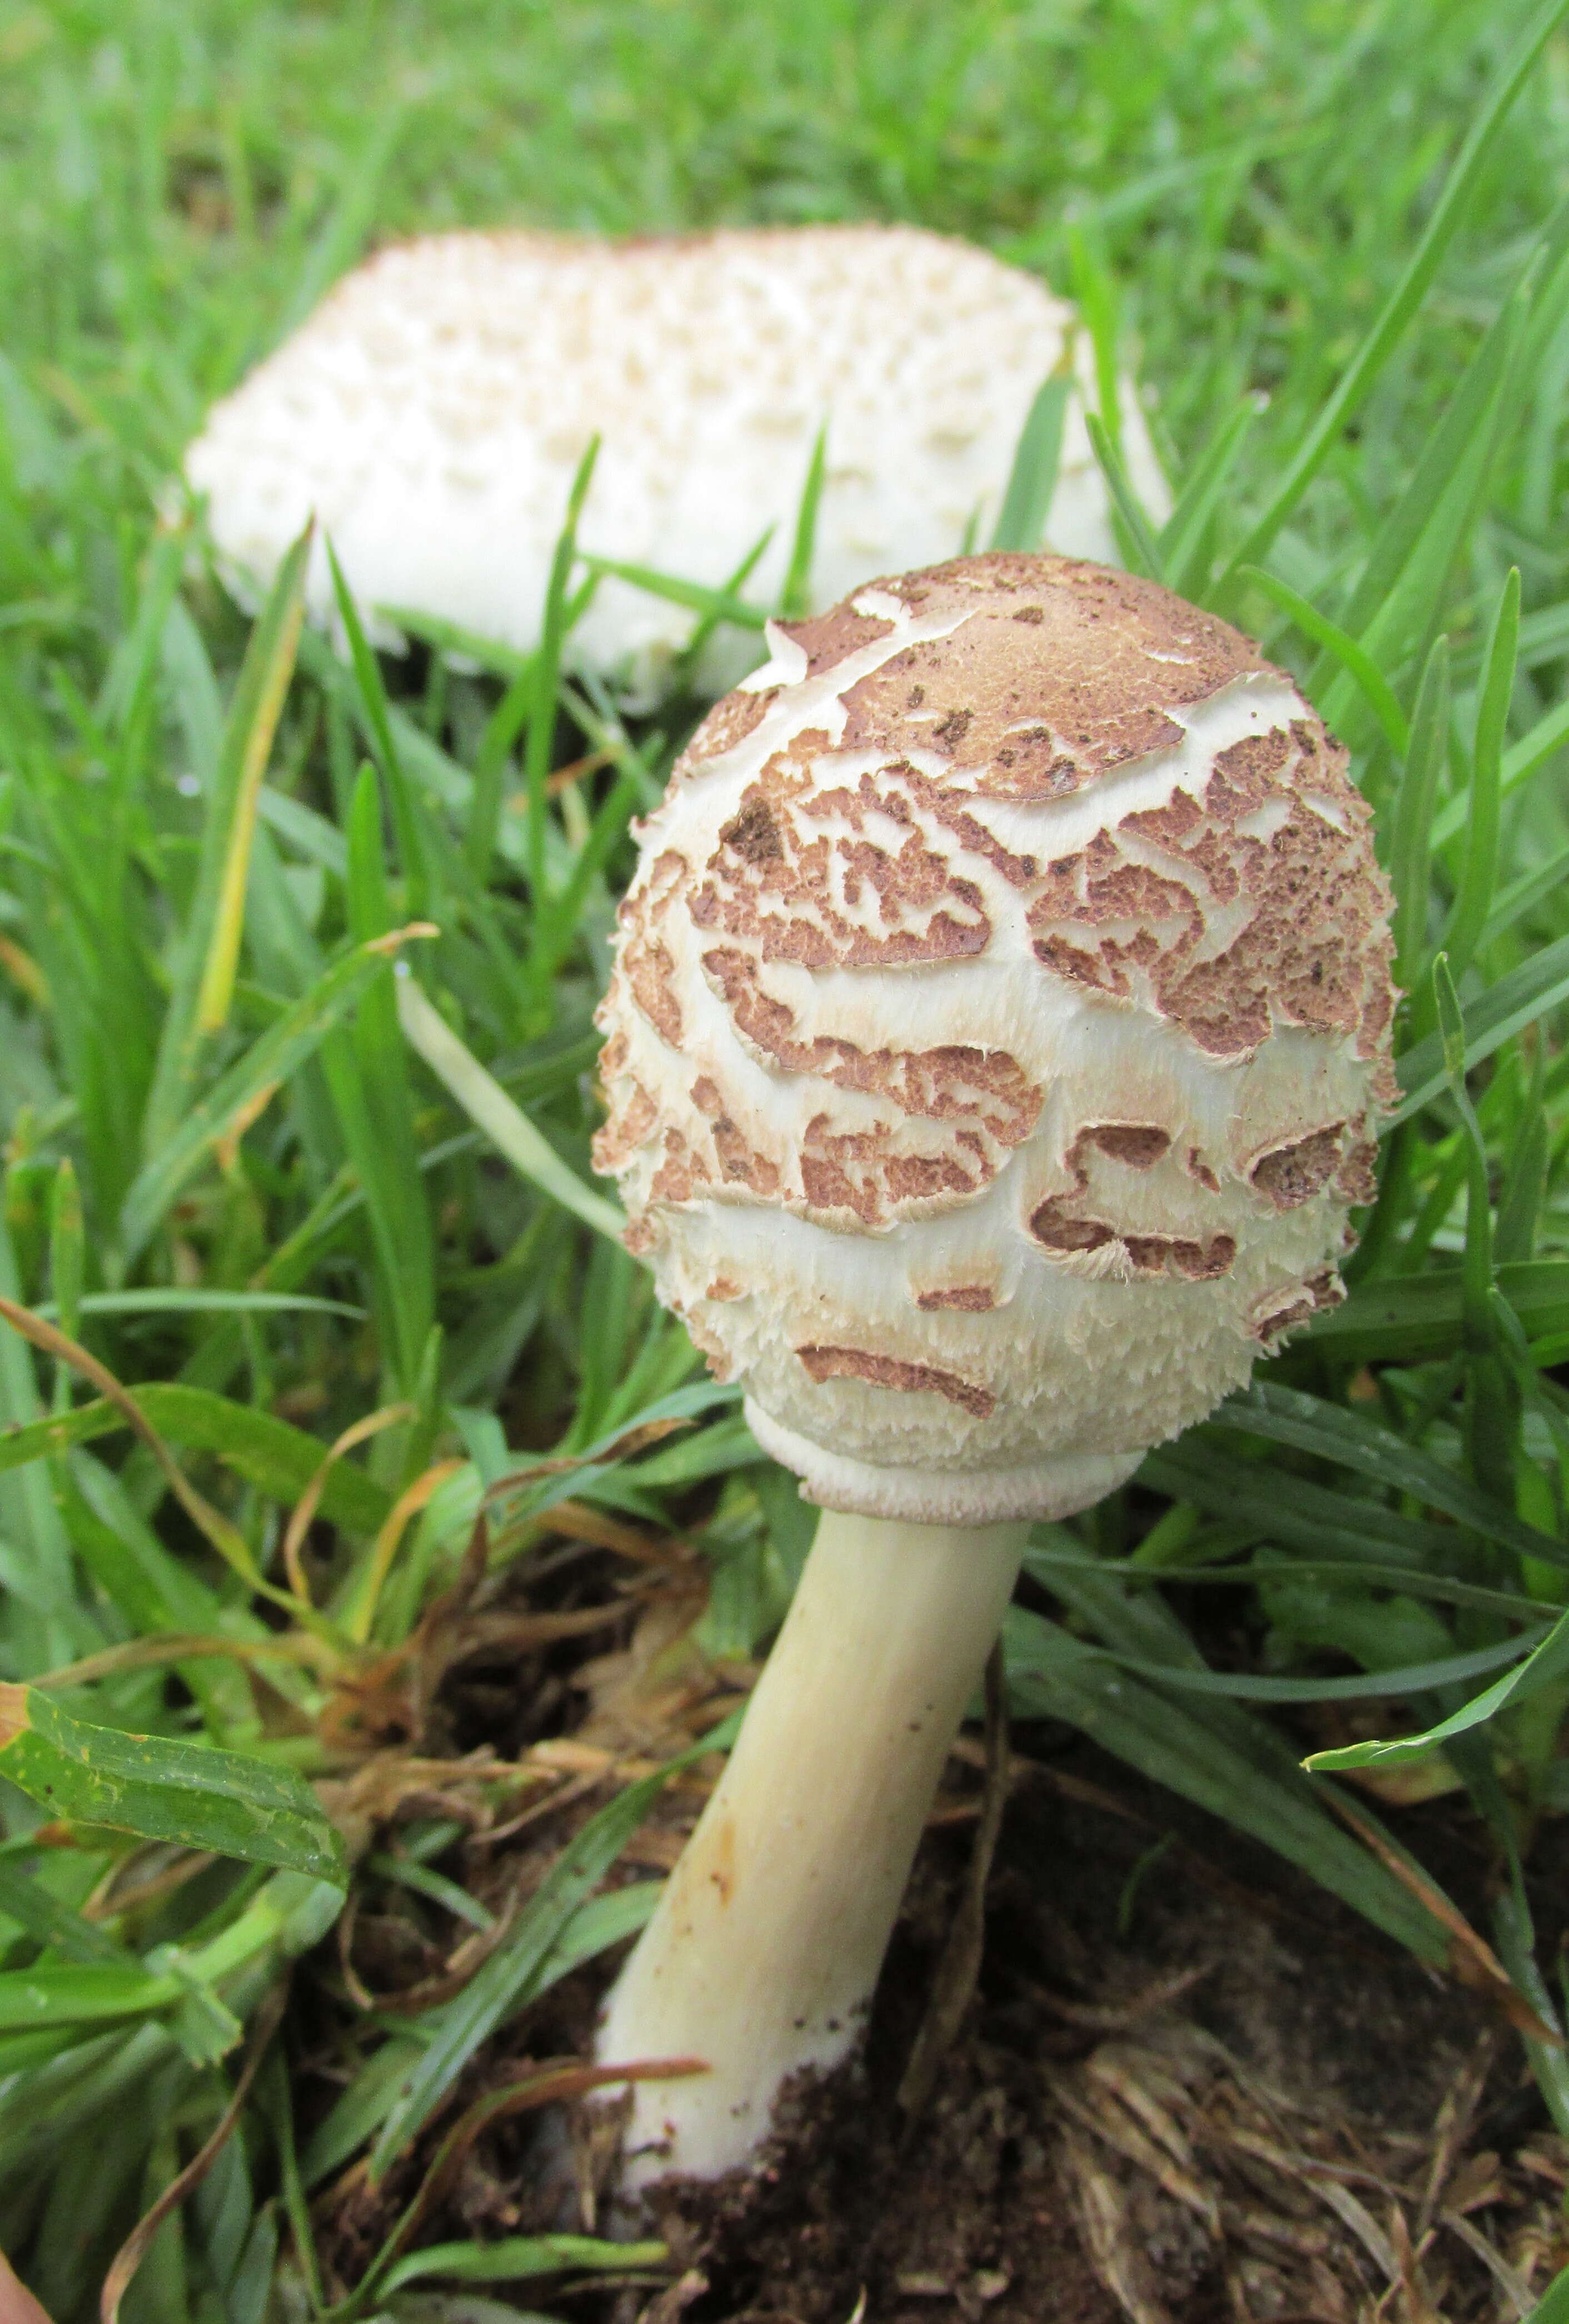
column 999, row 1028
column 431, row 412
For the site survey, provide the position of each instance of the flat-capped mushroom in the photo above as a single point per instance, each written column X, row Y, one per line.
column 1000, row 1022
column 432, row 411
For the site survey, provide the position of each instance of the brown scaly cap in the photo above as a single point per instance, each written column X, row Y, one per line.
column 1109, row 658
column 1000, row 1024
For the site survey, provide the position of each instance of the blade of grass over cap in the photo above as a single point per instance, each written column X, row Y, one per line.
column 1185, row 535
column 718, row 604
column 1032, row 479
column 1400, row 307
column 1372, row 683
column 376, row 713
column 795, row 594
column 484, row 1101
column 1143, row 549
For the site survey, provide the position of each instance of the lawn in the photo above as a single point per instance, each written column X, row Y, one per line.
column 1334, row 244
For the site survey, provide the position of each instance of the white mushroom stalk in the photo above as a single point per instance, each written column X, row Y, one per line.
column 765, row 1946
column 1000, row 1021
column 431, row 414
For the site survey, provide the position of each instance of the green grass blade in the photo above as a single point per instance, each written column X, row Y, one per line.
column 1184, row 535
column 485, row 1103
column 1544, row 1666
column 1478, row 874
column 51, row 1922
column 1410, row 851
column 1399, row 309
column 248, row 743
column 1141, row 542
column 1360, row 666
column 1233, row 1771
column 1505, row 1009
column 1032, row 479
column 183, row 1794
column 280, row 1052
column 795, row 595
column 511, row 2258
column 506, row 1977
column 1311, row 1424
column 1527, row 758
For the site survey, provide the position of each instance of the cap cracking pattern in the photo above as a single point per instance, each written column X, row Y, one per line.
column 998, row 1027
column 432, row 411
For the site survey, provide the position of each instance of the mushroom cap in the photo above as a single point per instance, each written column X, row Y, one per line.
column 1000, row 1021
column 433, row 410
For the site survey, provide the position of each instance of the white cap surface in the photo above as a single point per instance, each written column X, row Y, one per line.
column 432, row 411
column 999, row 1024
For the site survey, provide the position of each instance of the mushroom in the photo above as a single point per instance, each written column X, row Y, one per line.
column 432, row 411
column 1000, row 1023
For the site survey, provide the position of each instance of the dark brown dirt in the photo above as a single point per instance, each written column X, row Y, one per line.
column 1191, row 2087
column 981, row 2212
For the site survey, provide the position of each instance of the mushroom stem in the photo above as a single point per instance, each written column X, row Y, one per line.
column 762, row 1955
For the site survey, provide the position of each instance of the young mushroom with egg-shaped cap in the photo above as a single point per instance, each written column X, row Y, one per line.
column 998, row 1027
column 431, row 412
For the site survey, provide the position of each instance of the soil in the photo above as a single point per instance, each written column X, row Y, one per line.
column 1170, row 2061
column 1190, row 2086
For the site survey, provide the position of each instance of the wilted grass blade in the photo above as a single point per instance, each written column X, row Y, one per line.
column 217, row 988
column 604, row 1920
column 281, row 1460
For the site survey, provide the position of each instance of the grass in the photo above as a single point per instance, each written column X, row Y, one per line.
column 291, row 947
